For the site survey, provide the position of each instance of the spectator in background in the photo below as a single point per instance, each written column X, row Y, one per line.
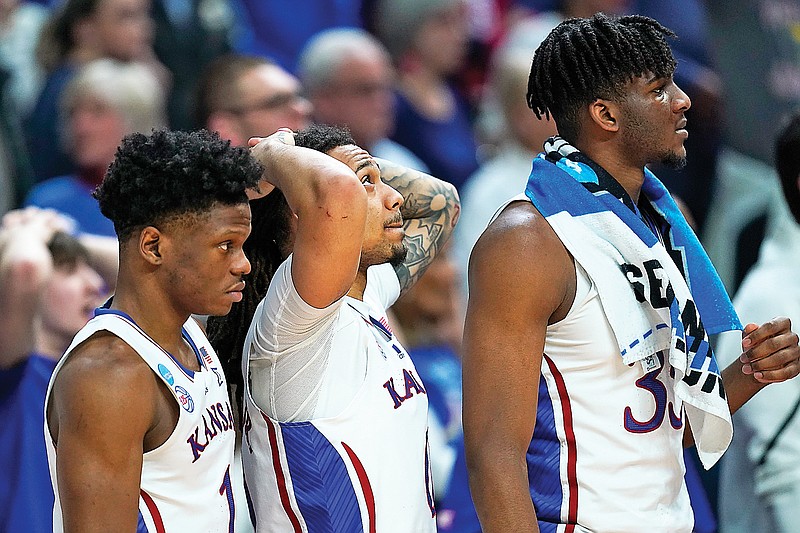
column 20, row 81
column 107, row 100
column 349, row 78
column 79, row 32
column 758, row 60
column 428, row 42
column 48, row 290
column 517, row 136
column 247, row 96
column 278, row 30
column 188, row 35
column 760, row 479
column 20, row 26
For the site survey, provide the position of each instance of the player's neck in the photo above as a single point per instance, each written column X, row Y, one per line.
column 359, row 285
column 152, row 311
column 628, row 173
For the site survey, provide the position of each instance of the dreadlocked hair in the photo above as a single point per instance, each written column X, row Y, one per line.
column 585, row 59
column 268, row 245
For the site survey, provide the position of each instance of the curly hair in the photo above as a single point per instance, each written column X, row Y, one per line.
column 269, row 244
column 169, row 174
column 585, row 59
column 323, row 137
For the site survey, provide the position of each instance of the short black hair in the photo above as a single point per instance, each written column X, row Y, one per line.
column 787, row 163
column 583, row 59
column 323, row 137
column 155, row 178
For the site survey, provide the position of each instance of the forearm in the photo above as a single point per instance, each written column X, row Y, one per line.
column 25, row 265
column 739, row 387
column 430, row 211
column 499, row 486
column 425, row 197
column 308, row 178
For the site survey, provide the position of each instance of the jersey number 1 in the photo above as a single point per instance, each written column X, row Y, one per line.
column 226, row 490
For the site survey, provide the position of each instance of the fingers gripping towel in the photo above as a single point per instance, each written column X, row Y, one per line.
column 652, row 275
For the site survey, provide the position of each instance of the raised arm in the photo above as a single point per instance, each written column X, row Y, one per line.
column 25, row 266
column 102, row 414
column 430, row 212
column 521, row 279
column 330, row 204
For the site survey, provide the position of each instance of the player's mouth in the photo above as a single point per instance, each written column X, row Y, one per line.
column 681, row 129
column 396, row 222
column 236, row 291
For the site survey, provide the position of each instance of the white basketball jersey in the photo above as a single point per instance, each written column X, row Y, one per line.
column 364, row 470
column 186, row 482
column 607, row 448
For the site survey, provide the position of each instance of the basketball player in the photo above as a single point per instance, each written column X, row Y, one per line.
column 335, row 420
column 139, row 428
column 587, row 365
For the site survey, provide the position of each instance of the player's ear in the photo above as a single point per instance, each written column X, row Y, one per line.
column 150, row 243
column 605, row 114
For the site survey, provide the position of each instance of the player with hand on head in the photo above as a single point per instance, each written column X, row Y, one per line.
column 335, row 419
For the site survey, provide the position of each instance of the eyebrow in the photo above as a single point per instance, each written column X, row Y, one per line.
column 367, row 163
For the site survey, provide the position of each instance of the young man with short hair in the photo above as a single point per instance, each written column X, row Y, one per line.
column 139, row 427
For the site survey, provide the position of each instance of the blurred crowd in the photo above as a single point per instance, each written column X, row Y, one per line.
column 435, row 85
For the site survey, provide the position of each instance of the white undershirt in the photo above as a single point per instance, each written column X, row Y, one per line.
column 306, row 363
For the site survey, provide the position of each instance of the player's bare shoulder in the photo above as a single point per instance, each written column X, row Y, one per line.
column 519, row 253
column 520, row 226
column 103, row 374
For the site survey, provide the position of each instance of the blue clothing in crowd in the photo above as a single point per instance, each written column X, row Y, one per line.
column 447, row 147
column 440, row 369
column 26, row 494
column 72, row 196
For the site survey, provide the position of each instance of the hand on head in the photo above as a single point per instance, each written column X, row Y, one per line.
column 42, row 222
column 257, row 146
column 283, row 135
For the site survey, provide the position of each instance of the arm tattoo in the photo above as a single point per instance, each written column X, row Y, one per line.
column 430, row 212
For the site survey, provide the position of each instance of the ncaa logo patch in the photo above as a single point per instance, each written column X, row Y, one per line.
column 184, row 398
column 166, row 374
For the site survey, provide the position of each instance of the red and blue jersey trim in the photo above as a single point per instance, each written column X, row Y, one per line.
column 322, row 488
column 544, row 456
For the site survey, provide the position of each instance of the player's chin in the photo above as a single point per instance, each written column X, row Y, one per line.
column 220, row 308
column 676, row 159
